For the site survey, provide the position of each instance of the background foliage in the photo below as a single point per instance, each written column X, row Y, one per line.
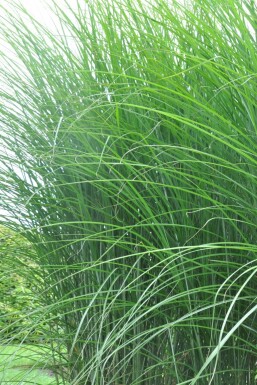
column 130, row 164
column 19, row 284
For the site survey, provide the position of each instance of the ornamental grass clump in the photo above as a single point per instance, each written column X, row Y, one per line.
column 128, row 159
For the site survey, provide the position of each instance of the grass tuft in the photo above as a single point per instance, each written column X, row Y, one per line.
column 128, row 159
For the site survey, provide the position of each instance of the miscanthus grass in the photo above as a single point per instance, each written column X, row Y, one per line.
column 128, row 159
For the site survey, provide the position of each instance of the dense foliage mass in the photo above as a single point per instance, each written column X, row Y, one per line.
column 19, row 301
column 129, row 161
